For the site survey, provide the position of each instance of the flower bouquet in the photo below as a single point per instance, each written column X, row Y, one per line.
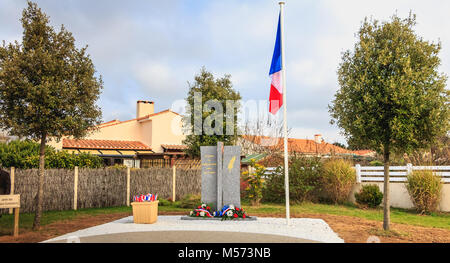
column 202, row 210
column 231, row 212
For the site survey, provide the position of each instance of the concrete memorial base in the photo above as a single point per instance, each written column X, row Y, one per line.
column 253, row 218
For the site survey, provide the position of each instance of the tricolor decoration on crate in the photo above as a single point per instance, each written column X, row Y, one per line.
column 145, row 198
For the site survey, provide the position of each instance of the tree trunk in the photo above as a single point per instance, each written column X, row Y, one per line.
column 386, row 203
column 40, row 194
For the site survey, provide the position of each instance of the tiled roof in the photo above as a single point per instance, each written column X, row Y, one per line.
column 173, row 147
column 303, row 146
column 364, row 152
column 256, row 157
column 104, row 144
column 310, row 146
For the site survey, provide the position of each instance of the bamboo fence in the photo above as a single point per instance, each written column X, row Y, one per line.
column 103, row 187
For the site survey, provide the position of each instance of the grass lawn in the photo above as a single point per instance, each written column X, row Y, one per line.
column 401, row 216
column 26, row 219
column 438, row 220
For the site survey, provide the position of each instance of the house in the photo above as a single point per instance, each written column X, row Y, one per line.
column 150, row 139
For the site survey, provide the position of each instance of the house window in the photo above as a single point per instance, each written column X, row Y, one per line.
column 132, row 163
column 107, row 161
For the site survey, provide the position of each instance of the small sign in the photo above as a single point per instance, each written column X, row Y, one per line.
column 9, row 201
column 12, row 201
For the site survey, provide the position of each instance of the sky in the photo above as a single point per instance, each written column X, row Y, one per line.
column 150, row 50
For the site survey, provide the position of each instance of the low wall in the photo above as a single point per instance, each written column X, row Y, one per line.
column 399, row 196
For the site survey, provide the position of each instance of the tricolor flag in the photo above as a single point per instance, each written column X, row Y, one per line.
column 276, row 87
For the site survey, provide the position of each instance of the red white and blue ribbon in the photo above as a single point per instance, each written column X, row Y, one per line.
column 207, row 213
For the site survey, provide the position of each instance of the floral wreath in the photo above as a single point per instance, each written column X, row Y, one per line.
column 202, row 210
column 227, row 212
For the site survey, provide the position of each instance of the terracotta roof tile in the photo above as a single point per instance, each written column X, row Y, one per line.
column 104, row 144
column 304, row 146
column 173, row 147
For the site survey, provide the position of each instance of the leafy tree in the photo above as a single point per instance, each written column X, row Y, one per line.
column 218, row 91
column 338, row 144
column 48, row 87
column 392, row 98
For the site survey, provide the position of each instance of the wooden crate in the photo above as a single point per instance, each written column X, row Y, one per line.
column 145, row 212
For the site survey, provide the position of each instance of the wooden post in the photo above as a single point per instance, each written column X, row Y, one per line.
column 409, row 169
column 358, row 173
column 128, row 186
column 16, row 222
column 11, row 190
column 174, row 182
column 75, row 189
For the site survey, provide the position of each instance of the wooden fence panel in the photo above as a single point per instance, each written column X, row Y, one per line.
column 58, row 189
column 151, row 180
column 189, row 181
column 101, row 188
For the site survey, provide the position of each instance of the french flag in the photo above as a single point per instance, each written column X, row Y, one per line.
column 276, row 87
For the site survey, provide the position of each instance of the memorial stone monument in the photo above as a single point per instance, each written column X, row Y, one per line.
column 221, row 166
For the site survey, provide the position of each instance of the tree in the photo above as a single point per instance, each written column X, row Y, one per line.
column 204, row 125
column 338, row 144
column 391, row 98
column 262, row 135
column 48, row 88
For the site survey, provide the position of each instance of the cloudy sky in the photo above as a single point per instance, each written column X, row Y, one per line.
column 149, row 50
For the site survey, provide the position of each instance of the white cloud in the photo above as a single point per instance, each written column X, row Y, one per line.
column 149, row 49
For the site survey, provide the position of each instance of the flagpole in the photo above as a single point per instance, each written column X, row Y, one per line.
column 286, row 159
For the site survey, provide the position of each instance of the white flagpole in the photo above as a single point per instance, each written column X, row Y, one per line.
column 286, row 157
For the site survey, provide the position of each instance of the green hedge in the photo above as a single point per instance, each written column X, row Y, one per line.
column 304, row 181
column 369, row 195
column 25, row 155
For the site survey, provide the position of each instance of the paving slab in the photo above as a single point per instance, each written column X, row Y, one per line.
column 124, row 230
column 184, row 237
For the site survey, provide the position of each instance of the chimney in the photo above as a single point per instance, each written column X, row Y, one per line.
column 144, row 108
column 318, row 138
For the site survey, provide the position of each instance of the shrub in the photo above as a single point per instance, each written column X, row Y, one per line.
column 424, row 188
column 190, row 201
column 304, row 181
column 369, row 195
column 25, row 155
column 337, row 180
column 376, row 163
column 164, row 202
column 255, row 183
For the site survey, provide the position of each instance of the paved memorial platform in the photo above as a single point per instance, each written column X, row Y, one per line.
column 171, row 229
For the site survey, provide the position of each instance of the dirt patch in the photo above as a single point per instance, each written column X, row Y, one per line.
column 62, row 227
column 351, row 229
column 358, row 230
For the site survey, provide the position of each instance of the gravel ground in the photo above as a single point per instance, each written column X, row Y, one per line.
column 301, row 228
